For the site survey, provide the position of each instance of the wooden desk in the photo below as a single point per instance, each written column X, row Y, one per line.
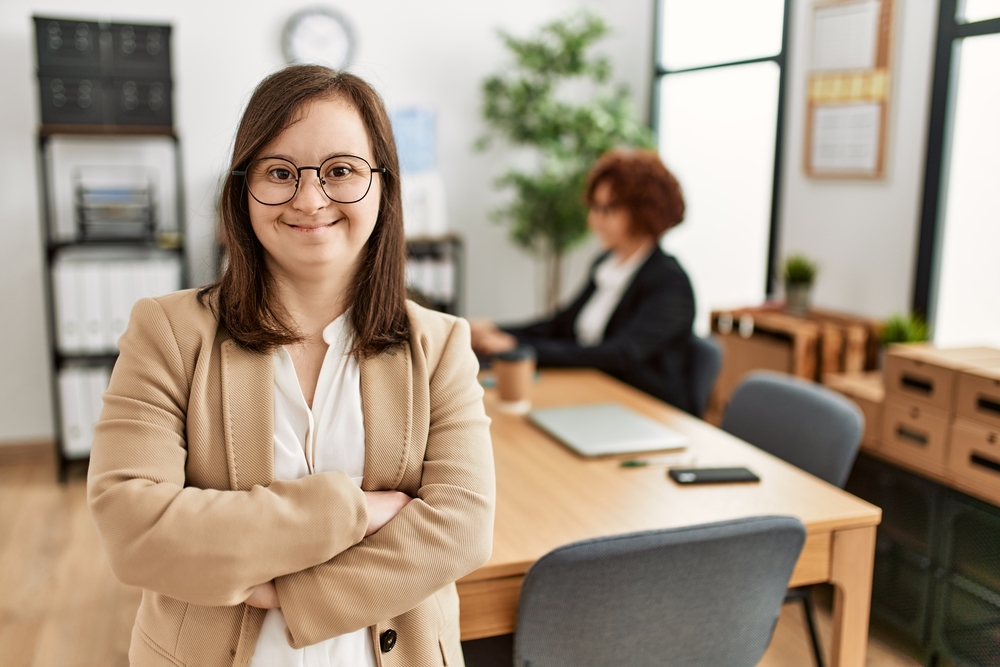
column 547, row 496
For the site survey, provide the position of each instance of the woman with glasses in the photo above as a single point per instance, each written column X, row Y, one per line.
column 294, row 462
column 633, row 318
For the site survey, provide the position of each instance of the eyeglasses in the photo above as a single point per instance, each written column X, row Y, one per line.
column 604, row 209
column 273, row 181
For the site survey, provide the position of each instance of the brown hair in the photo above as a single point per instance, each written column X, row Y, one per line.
column 642, row 185
column 244, row 298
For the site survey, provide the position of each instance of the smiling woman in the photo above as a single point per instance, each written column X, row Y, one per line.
column 294, row 463
column 303, row 117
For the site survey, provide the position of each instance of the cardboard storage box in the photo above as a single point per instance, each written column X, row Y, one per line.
column 978, row 394
column 974, row 457
column 868, row 392
column 915, row 434
column 928, row 375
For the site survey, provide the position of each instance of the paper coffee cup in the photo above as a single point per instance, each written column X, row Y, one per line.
column 514, row 371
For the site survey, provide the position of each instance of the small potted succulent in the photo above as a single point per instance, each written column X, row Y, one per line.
column 901, row 328
column 800, row 273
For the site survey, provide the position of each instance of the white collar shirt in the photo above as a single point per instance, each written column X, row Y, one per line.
column 611, row 279
column 328, row 437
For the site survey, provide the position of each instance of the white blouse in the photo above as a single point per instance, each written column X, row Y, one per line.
column 329, row 437
column 611, row 278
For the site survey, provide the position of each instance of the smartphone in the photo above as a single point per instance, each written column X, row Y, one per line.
column 711, row 475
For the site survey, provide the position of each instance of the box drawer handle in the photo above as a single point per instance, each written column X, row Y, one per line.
column 987, row 405
column 906, row 433
column 917, row 384
column 985, row 463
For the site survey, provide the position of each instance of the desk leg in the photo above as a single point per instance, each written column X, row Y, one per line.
column 851, row 575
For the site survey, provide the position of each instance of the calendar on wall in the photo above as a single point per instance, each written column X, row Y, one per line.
column 848, row 92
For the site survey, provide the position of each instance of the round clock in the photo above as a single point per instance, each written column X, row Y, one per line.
column 319, row 36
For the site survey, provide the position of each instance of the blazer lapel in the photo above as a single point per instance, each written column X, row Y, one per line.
column 248, row 415
column 387, row 403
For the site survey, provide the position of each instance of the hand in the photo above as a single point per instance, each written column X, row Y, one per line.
column 265, row 596
column 481, row 330
column 496, row 342
column 382, row 507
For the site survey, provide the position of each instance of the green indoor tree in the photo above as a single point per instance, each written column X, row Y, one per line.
column 526, row 105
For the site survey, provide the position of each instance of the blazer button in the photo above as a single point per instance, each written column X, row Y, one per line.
column 387, row 640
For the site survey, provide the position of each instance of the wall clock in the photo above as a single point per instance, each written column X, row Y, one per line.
column 320, row 36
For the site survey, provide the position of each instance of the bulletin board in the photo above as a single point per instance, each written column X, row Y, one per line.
column 848, row 91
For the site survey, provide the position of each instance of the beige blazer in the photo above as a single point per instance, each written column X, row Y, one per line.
column 182, row 489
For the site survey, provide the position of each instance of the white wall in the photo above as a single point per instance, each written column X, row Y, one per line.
column 433, row 53
column 863, row 233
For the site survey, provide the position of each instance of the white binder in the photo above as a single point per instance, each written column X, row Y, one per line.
column 168, row 276
column 121, row 297
column 69, row 335
column 77, row 426
column 148, row 280
column 92, row 300
column 97, row 384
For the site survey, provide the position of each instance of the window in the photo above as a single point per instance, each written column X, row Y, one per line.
column 718, row 94
column 958, row 272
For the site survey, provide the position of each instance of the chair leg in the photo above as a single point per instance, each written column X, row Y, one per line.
column 807, row 607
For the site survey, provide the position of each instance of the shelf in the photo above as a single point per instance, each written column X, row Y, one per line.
column 88, row 358
column 94, row 282
column 450, row 237
column 50, row 130
column 138, row 244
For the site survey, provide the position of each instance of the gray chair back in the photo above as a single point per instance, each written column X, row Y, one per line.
column 706, row 361
column 803, row 423
column 702, row 596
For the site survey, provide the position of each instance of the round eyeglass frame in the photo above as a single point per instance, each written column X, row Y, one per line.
column 298, row 178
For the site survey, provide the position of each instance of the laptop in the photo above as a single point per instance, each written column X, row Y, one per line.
column 606, row 428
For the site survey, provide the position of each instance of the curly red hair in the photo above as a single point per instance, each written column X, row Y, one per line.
column 641, row 184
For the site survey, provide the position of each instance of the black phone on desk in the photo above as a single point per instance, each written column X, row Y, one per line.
column 711, row 475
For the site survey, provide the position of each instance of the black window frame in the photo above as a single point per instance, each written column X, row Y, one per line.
column 659, row 72
column 950, row 32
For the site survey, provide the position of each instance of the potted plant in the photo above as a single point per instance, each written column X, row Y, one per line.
column 901, row 328
column 525, row 106
column 904, row 329
column 800, row 274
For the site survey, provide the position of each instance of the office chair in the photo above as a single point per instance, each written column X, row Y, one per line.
column 807, row 425
column 706, row 361
column 700, row 596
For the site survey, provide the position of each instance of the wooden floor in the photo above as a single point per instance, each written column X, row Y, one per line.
column 60, row 606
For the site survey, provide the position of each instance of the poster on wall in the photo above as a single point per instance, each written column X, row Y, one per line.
column 847, row 105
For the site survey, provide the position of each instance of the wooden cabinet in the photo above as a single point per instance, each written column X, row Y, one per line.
column 768, row 338
column 935, row 410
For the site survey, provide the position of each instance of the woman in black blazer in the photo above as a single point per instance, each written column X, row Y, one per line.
column 633, row 318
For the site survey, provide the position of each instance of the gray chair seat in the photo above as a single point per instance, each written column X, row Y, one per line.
column 701, row 596
column 801, row 422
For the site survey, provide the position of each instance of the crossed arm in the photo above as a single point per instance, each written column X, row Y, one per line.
column 214, row 547
column 382, row 507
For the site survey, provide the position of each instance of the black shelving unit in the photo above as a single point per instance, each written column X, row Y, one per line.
column 937, row 566
column 102, row 81
column 436, row 270
column 965, row 630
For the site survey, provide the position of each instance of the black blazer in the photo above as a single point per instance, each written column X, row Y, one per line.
column 646, row 340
